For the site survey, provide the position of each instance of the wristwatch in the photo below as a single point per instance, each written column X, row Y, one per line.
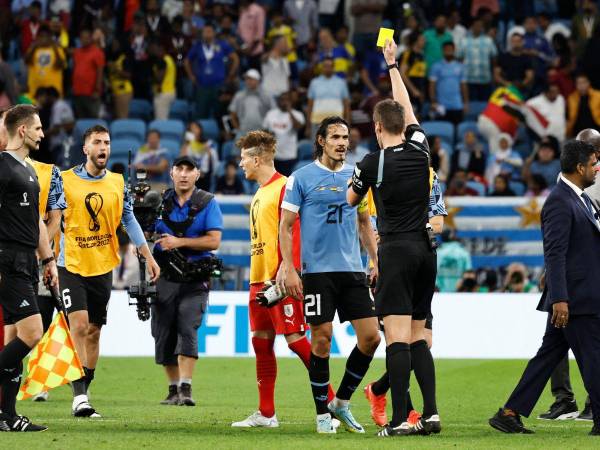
column 392, row 66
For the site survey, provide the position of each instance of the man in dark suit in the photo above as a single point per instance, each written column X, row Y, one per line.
column 571, row 234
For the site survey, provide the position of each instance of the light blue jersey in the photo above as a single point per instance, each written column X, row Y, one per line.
column 328, row 227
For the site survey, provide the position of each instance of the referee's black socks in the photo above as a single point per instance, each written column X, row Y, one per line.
column 89, row 376
column 356, row 368
column 398, row 364
column 422, row 364
column 12, row 355
column 10, row 389
column 318, row 372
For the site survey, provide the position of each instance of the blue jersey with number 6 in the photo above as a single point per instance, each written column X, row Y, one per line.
column 328, row 227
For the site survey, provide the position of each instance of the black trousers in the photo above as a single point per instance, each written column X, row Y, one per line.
column 582, row 335
column 560, row 382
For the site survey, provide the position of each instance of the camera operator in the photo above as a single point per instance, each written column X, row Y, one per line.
column 190, row 228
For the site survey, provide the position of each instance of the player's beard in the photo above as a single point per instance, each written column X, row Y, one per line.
column 99, row 165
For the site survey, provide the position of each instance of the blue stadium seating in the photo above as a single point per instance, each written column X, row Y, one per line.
column 441, row 128
column 211, row 129
column 169, row 129
column 83, row 124
column 477, row 186
column 180, row 110
column 173, row 145
column 305, row 150
column 463, row 127
column 119, row 159
column 128, row 129
column 475, row 109
column 121, row 147
column 227, row 150
column 517, row 187
column 140, row 109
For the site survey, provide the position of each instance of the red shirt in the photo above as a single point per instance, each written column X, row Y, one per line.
column 86, row 61
column 29, row 31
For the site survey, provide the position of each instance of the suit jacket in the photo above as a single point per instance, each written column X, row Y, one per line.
column 571, row 253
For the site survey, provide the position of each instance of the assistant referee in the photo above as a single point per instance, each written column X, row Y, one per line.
column 399, row 178
column 22, row 232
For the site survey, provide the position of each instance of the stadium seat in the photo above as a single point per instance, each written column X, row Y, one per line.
column 517, row 187
column 140, row 109
column 227, row 150
column 440, row 128
column 173, row 145
column 463, row 127
column 300, row 164
column 120, row 148
column 83, row 124
column 180, row 110
column 128, row 129
column 305, row 150
column 477, row 186
column 169, row 129
column 119, row 159
column 475, row 109
column 211, row 129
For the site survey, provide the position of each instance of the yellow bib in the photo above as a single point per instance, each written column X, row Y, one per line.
column 44, row 174
column 91, row 222
column 264, row 231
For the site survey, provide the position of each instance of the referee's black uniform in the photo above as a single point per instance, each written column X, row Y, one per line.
column 399, row 177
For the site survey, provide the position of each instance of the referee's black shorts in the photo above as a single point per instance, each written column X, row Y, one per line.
column 18, row 283
column 407, row 271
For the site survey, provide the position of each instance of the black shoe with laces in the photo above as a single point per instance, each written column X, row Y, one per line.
column 508, row 423
column 561, row 410
column 19, row 424
column 404, row 429
column 172, row 397
column 185, row 395
column 586, row 414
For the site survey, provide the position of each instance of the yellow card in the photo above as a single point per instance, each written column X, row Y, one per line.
column 384, row 34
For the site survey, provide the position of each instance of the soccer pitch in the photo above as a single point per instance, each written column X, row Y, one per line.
column 127, row 392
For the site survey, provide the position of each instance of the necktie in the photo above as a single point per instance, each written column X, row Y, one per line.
column 588, row 204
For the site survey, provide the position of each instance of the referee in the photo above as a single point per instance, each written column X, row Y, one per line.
column 22, row 232
column 399, row 177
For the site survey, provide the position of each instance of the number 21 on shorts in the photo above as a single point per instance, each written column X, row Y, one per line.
column 312, row 305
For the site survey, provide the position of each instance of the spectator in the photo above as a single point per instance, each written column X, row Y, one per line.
column 515, row 67
column 276, row 68
column 88, row 67
column 538, row 48
column 551, row 106
column 517, row 280
column 164, row 75
column 583, row 107
column 158, row 25
column 469, row 157
column 230, row 183
column 154, row 159
column 411, row 26
column 356, row 151
column 327, row 96
column 251, row 28
column 284, row 122
column 501, row 188
column 467, row 283
column 60, row 124
column 280, row 28
column 453, row 260
column 140, row 67
column 456, row 29
column 249, row 105
column 206, row 65
column 178, row 45
column 489, row 279
column 172, row 8
column 434, row 39
column 583, row 25
column 204, row 153
column 367, row 21
column 478, row 53
column 544, row 161
column 60, row 35
column 589, row 63
column 30, row 27
column 413, row 69
column 342, row 36
column 505, row 161
column 448, row 87
column 562, row 73
column 192, row 20
column 119, row 78
column 304, row 15
column 550, row 28
column 458, row 186
column 373, row 70
column 5, row 102
column 46, row 63
column 537, row 186
column 439, row 157
column 8, row 78
column 330, row 49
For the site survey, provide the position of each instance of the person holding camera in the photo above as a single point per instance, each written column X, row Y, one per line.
column 190, row 228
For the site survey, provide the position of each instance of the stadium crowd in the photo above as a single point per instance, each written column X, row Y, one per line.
column 498, row 85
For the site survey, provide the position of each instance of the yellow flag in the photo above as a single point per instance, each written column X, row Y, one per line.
column 53, row 362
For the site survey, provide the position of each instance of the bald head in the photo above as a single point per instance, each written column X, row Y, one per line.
column 590, row 136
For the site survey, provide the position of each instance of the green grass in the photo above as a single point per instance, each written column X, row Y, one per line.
column 127, row 391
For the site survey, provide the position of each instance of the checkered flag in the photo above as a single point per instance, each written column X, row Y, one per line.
column 53, row 362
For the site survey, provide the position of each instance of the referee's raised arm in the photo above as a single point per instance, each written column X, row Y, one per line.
column 399, row 91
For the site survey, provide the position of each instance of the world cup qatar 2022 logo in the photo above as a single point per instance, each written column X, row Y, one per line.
column 93, row 204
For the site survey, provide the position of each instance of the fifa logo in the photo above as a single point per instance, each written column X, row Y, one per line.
column 24, row 202
column 93, row 204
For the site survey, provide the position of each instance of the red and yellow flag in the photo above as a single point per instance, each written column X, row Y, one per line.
column 53, row 362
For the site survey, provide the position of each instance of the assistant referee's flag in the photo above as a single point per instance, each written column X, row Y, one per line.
column 53, row 362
